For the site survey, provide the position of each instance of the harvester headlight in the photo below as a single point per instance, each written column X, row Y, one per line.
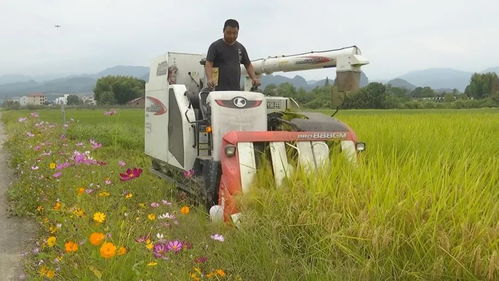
column 360, row 146
column 230, row 150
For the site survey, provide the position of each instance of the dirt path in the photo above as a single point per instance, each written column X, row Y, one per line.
column 15, row 233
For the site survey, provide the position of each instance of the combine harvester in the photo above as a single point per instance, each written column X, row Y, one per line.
column 210, row 143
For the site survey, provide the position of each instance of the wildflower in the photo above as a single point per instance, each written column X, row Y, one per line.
column 107, row 250
column 51, row 241
column 220, row 272
column 80, row 190
column 96, row 238
column 89, row 191
column 166, row 216
column 34, row 168
column 79, row 144
column 99, row 217
column 185, row 210
column 104, row 194
column 63, row 165
column 56, row 175
column 95, row 144
column 160, row 236
column 159, row 250
column 217, row 237
column 153, row 263
column 189, row 173
column 130, row 174
column 40, row 208
column 142, row 239
column 22, row 119
column 121, row 251
column 57, row 206
column 128, row 195
column 53, row 229
column 29, row 134
column 111, row 112
column 151, row 217
column 174, row 246
column 154, row 204
column 52, row 165
column 121, row 163
column 108, row 181
column 149, row 244
column 71, row 246
column 201, row 259
column 50, row 274
column 165, row 202
column 34, row 115
column 79, row 212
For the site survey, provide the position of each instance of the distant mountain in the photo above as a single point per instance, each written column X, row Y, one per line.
column 125, row 70
column 13, row 78
column 438, row 78
column 401, row 83
column 83, row 83
column 492, row 69
column 300, row 82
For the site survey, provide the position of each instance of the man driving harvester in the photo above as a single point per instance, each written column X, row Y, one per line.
column 222, row 67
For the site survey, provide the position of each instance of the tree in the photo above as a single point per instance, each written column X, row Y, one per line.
column 372, row 96
column 118, row 89
column 483, row 85
column 74, row 100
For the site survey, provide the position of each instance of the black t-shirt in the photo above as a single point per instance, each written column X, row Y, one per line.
column 228, row 59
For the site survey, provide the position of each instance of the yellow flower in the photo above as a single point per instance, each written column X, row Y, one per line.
column 220, row 272
column 185, row 210
column 40, row 208
column 53, row 229
column 80, row 190
column 57, row 206
column 51, row 241
column 121, row 251
column 153, row 263
column 96, row 238
column 151, row 217
column 99, row 217
column 104, row 194
column 149, row 244
column 128, row 195
column 52, row 165
column 79, row 212
column 71, row 246
column 107, row 250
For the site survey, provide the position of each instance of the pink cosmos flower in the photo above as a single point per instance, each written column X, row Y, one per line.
column 111, row 112
column 130, row 174
column 29, row 134
column 189, row 173
column 62, row 166
column 165, row 202
column 174, row 246
column 121, row 163
column 159, row 250
column 22, row 119
column 34, row 114
column 56, row 175
column 108, row 181
column 95, row 144
column 34, row 168
column 154, row 204
column 79, row 144
column 217, row 237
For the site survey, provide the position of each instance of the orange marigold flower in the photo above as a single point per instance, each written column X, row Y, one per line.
column 185, row 210
column 50, row 274
column 121, row 251
column 99, row 217
column 96, row 238
column 220, row 272
column 57, row 206
column 71, row 246
column 81, row 190
column 107, row 250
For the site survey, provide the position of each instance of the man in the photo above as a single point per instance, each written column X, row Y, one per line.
column 227, row 55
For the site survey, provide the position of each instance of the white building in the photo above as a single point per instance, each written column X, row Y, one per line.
column 61, row 100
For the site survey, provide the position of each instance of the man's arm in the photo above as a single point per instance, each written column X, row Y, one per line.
column 208, row 69
column 251, row 73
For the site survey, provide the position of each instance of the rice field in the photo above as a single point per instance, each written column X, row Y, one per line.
column 422, row 204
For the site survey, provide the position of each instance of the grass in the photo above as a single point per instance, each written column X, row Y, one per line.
column 421, row 205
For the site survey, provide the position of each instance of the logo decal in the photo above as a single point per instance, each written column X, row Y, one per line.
column 157, row 106
column 239, row 102
column 313, row 60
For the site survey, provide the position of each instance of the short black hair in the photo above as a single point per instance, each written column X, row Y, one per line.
column 231, row 23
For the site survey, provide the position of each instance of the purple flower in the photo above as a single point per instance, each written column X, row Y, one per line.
column 22, row 119
column 189, row 173
column 34, row 168
column 174, row 246
column 159, row 250
column 95, row 144
column 89, row 190
column 79, row 144
column 63, row 165
column 34, row 114
column 217, row 237
column 142, row 239
column 154, row 204
column 165, row 202
column 56, row 175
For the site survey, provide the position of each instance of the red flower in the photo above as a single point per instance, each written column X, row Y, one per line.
column 130, row 174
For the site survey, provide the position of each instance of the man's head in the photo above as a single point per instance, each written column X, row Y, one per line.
column 231, row 30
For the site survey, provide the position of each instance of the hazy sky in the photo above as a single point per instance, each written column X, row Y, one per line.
column 397, row 36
